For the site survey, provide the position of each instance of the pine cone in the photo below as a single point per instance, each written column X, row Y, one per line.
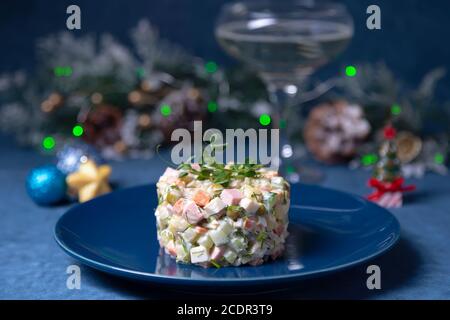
column 334, row 130
column 102, row 126
column 186, row 105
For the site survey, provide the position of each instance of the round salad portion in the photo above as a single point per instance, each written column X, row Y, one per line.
column 222, row 215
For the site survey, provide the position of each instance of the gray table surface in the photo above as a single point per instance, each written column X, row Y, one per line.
column 32, row 266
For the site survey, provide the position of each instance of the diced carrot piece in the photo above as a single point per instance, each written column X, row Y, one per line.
column 249, row 223
column 201, row 230
column 201, row 198
column 178, row 207
column 171, row 249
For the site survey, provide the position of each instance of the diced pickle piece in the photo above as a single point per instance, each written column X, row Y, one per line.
column 230, row 256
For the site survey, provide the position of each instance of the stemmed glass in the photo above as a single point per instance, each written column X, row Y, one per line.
column 285, row 41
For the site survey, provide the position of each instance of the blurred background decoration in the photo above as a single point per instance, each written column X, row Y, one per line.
column 125, row 98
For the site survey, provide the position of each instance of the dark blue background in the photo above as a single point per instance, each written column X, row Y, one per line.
column 413, row 39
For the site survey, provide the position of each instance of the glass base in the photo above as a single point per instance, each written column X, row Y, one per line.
column 295, row 167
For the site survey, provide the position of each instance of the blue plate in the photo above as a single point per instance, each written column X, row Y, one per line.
column 329, row 231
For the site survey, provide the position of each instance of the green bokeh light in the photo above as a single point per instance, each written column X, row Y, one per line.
column 77, row 130
column 62, row 71
column 166, row 110
column 211, row 67
column 212, row 106
column 48, row 143
column 282, row 124
column 439, row 158
column 140, row 72
column 369, row 159
column 351, row 71
column 396, row 109
column 264, row 119
column 290, row 169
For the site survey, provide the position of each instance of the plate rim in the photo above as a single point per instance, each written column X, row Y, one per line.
column 152, row 277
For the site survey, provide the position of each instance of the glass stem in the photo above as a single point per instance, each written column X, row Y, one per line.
column 281, row 98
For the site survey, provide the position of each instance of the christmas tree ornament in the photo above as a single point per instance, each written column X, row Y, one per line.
column 46, row 185
column 102, row 125
column 408, row 146
column 387, row 179
column 334, row 131
column 89, row 181
column 72, row 154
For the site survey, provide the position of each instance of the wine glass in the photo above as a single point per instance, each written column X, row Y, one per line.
column 285, row 41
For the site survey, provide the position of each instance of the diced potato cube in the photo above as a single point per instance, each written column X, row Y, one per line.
column 218, row 237
column 225, row 227
column 178, row 223
column 182, row 253
column 238, row 243
column 199, row 254
column 249, row 205
column 215, row 206
column 205, row 241
column 164, row 212
column 190, row 235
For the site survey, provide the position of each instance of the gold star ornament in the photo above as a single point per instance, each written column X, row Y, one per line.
column 89, row 181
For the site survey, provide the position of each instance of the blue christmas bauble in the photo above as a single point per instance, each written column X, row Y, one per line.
column 46, row 185
column 71, row 155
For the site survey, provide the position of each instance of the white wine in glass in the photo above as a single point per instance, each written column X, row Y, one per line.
column 285, row 42
column 280, row 48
